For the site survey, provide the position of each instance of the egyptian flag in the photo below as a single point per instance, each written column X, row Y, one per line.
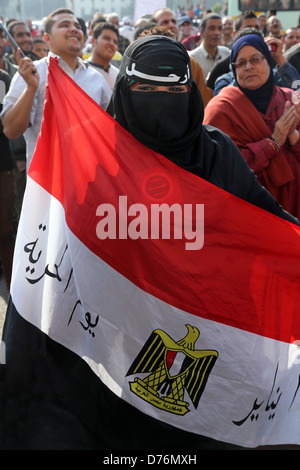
column 139, row 318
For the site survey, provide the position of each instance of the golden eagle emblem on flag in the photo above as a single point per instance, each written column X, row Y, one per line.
column 174, row 366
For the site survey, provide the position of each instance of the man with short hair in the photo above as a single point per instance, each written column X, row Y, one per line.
column 210, row 51
column 291, row 37
column 273, row 27
column 105, row 37
column 21, row 34
column 262, row 21
column 6, row 64
column 123, row 41
column 165, row 17
column 39, row 48
column 292, row 55
column 227, row 31
column 247, row 19
column 127, row 30
column 32, row 30
column 23, row 105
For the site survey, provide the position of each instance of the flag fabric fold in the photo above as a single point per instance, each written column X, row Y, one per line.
column 149, row 308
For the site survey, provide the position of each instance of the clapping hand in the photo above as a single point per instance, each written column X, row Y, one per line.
column 293, row 135
column 285, row 126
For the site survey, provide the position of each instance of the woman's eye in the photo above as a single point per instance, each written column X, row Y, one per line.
column 145, row 88
column 176, row 89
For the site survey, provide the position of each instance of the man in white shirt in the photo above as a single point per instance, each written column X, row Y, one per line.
column 210, row 51
column 127, row 30
column 23, row 105
column 105, row 38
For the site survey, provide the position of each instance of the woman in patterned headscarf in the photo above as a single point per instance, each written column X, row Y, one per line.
column 156, row 99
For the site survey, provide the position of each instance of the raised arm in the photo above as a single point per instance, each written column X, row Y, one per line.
column 16, row 119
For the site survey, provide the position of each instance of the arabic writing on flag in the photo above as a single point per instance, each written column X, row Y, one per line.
column 196, row 327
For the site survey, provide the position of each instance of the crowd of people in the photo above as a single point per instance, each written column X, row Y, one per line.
column 91, row 53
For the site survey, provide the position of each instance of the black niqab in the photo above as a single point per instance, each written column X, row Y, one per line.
column 163, row 61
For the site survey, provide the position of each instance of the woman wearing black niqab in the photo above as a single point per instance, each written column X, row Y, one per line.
column 170, row 122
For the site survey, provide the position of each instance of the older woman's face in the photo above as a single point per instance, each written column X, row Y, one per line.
column 251, row 75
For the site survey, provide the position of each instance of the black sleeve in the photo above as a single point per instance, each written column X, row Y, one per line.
column 234, row 175
column 247, row 187
column 219, row 69
column 295, row 61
